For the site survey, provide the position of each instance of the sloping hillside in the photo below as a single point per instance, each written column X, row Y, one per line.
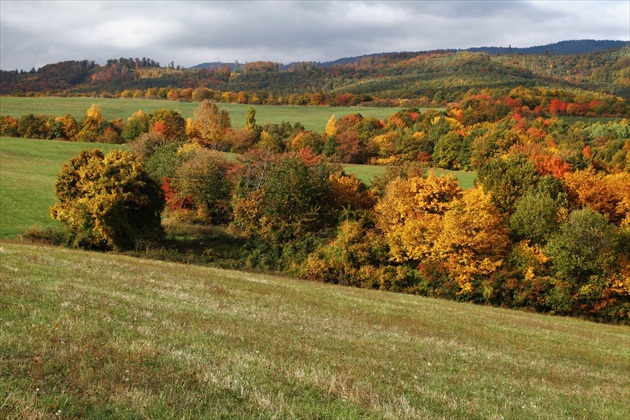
column 436, row 75
column 100, row 335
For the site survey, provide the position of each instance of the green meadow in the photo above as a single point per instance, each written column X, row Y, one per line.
column 311, row 117
column 92, row 335
column 366, row 173
column 28, row 169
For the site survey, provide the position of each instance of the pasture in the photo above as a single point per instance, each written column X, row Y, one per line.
column 28, row 169
column 92, row 335
column 366, row 173
column 311, row 117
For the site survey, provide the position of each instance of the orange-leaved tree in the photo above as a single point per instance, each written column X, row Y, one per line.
column 607, row 194
column 432, row 220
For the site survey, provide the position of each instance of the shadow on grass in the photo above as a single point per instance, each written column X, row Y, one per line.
column 188, row 243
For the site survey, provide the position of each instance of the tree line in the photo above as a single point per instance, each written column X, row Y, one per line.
column 546, row 227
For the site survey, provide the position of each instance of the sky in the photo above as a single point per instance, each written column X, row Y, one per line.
column 36, row 33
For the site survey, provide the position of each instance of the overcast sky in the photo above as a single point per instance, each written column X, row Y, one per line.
column 35, row 33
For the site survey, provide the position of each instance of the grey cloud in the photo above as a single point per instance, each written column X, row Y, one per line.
column 37, row 33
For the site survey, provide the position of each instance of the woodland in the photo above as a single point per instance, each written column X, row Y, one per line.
column 546, row 227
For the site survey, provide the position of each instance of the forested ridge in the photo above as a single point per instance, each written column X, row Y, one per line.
column 434, row 77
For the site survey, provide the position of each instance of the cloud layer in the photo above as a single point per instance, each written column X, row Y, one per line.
column 35, row 33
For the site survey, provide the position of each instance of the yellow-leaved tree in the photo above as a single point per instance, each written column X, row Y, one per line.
column 108, row 201
column 433, row 220
column 473, row 239
column 605, row 193
column 410, row 214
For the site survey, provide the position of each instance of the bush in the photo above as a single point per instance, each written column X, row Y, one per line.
column 204, row 179
column 108, row 201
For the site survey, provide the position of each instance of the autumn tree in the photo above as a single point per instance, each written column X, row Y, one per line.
column 204, row 178
column 473, row 240
column 307, row 138
column 33, row 126
column 350, row 194
column 607, row 194
column 410, row 215
column 331, row 127
column 92, row 125
column 169, row 123
column 431, row 220
column 357, row 256
column 65, row 128
column 250, row 118
column 396, row 170
column 210, row 126
column 108, row 201
column 270, row 141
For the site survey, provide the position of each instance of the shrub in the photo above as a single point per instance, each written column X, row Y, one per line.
column 204, row 178
column 108, row 201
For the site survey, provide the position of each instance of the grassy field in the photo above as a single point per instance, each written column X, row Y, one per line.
column 89, row 335
column 366, row 173
column 311, row 117
column 28, row 169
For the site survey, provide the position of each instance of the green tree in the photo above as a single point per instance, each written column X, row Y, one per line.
column 291, row 199
column 136, row 125
column 507, row 180
column 585, row 246
column 108, row 201
column 165, row 159
column 536, row 216
column 204, row 178
column 452, row 151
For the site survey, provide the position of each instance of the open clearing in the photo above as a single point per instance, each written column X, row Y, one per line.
column 93, row 335
column 311, row 117
column 28, row 169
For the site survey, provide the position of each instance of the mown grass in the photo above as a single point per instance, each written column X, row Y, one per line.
column 28, row 169
column 311, row 117
column 89, row 335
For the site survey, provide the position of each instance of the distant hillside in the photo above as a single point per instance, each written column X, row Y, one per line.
column 438, row 76
column 215, row 64
column 563, row 47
